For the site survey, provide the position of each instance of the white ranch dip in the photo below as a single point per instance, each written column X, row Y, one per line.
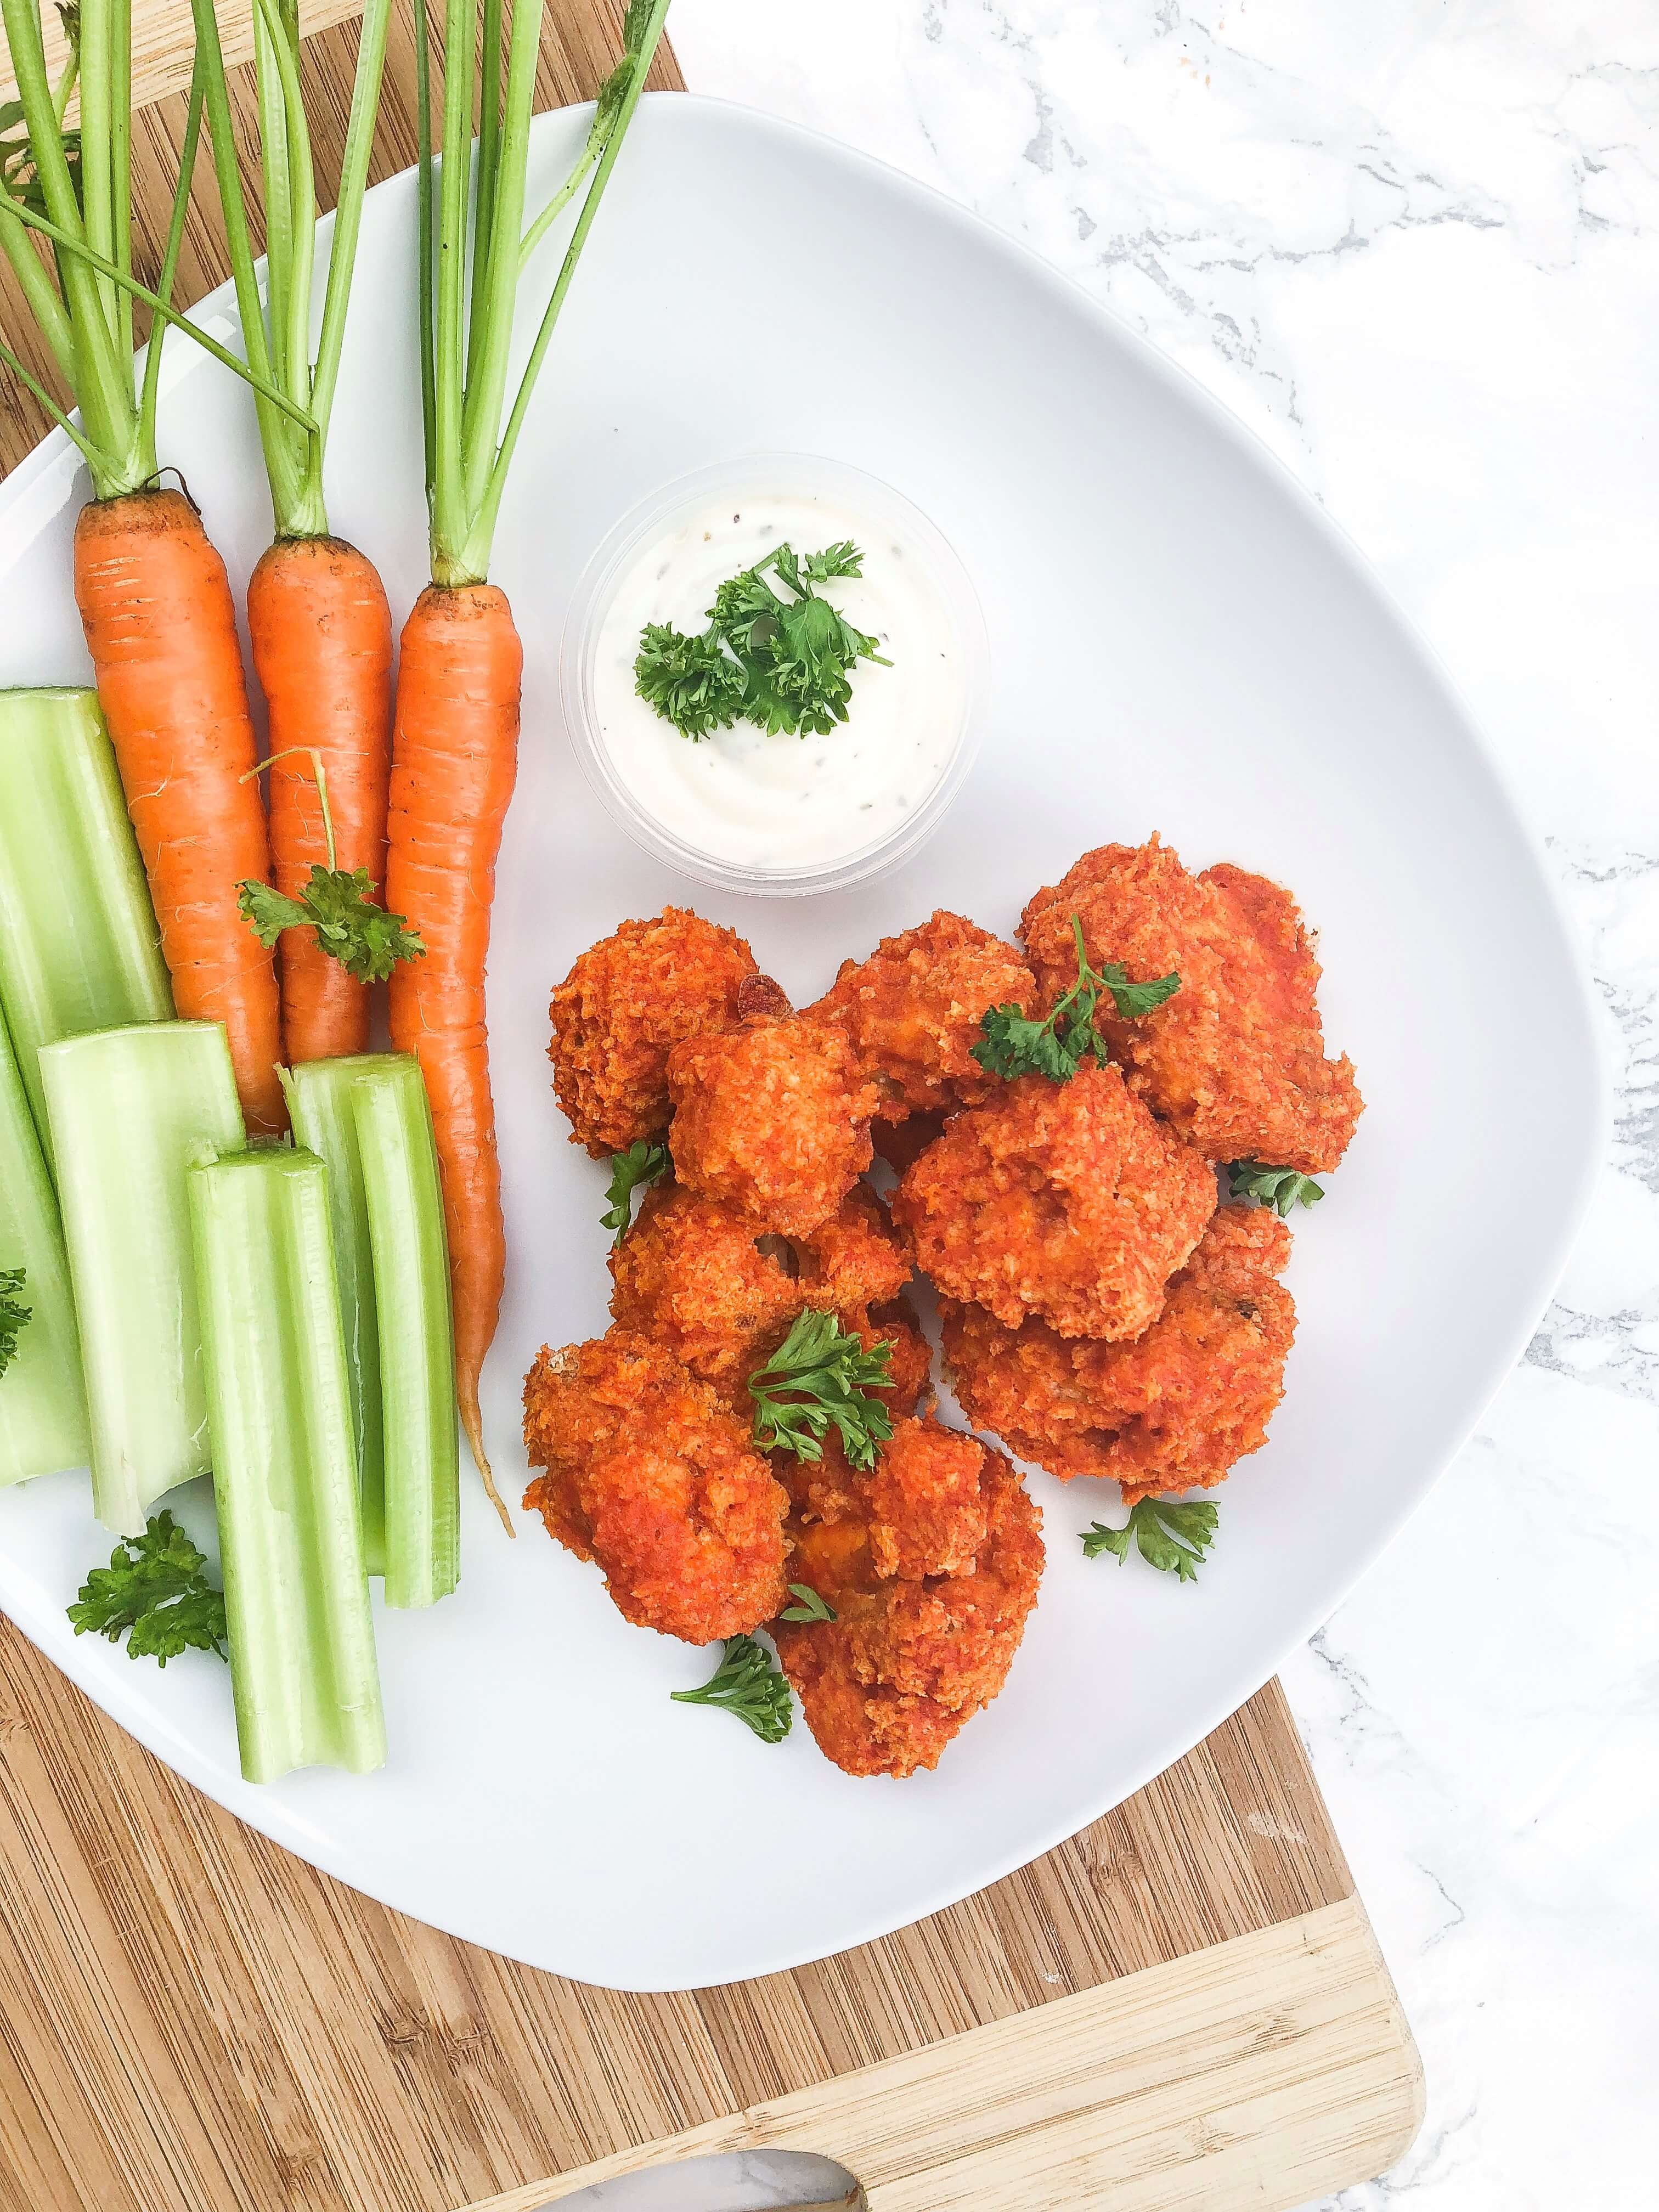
column 754, row 800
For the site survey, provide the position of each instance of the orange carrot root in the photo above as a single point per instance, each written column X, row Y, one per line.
column 161, row 627
column 454, row 755
column 321, row 632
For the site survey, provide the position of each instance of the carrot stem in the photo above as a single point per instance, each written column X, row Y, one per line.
column 295, row 213
column 43, row 399
column 425, row 240
column 101, row 377
column 164, row 282
column 484, row 527
column 466, row 362
column 310, row 753
column 79, row 251
column 349, row 206
column 447, row 492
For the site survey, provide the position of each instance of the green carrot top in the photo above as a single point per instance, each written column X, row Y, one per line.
column 74, row 188
column 466, row 330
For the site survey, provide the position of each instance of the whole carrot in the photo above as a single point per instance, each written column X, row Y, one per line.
column 317, row 613
column 160, row 627
column 455, row 751
column 321, row 633
column 152, row 592
column 454, row 744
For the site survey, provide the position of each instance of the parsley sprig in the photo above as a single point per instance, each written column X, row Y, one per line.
column 748, row 1684
column 13, row 1313
column 1170, row 1536
column 820, row 1378
column 1280, row 1187
column 636, row 1169
column 338, row 904
column 808, row 1606
column 780, row 660
column 155, row 1592
column 1011, row 1043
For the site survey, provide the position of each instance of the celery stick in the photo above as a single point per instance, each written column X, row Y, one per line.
column 320, row 1105
column 43, row 1408
column 302, row 1667
column 79, row 948
column 131, row 1111
column 417, row 1350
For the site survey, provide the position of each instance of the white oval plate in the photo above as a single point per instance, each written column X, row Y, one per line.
column 1182, row 642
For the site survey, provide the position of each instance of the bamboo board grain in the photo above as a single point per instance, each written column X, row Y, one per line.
column 1182, row 2007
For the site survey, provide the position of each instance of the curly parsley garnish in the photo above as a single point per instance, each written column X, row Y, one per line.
column 13, row 1313
column 820, row 1378
column 782, row 661
column 1168, row 1536
column 155, row 1586
column 809, row 1605
column 338, row 904
column 1012, row 1044
column 636, row 1169
column 748, row 1684
column 1279, row 1187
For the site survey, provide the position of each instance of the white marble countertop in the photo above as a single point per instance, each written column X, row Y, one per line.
column 1415, row 243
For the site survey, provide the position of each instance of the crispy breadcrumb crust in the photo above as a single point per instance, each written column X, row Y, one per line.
column 626, row 1001
column 650, row 1476
column 913, row 1653
column 773, row 1117
column 1064, row 1200
column 697, row 1275
column 1236, row 1060
column 1174, row 1410
column 912, row 1010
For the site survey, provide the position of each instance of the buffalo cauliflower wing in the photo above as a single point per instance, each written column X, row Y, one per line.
column 912, row 1010
column 627, row 1000
column 1064, row 1200
column 650, row 1476
column 1174, row 1409
column 931, row 1569
column 773, row 1117
column 1235, row 1059
column 697, row 1275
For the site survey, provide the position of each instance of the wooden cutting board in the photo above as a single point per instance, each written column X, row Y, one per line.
column 1183, row 2007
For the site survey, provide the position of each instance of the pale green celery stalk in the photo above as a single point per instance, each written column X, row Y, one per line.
column 320, row 1105
column 43, row 1408
column 79, row 948
column 131, row 1111
column 418, row 1353
column 302, row 1667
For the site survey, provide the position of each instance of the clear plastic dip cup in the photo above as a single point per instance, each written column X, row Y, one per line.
column 773, row 811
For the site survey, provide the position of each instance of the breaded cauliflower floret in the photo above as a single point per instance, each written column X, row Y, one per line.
column 1236, row 1060
column 1176, row 1409
column 926, row 1509
column 627, row 1000
column 912, row 1010
column 925, row 1627
column 773, row 1117
column 650, row 1476
column 910, row 1360
column 1064, row 1200
column 697, row 1275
